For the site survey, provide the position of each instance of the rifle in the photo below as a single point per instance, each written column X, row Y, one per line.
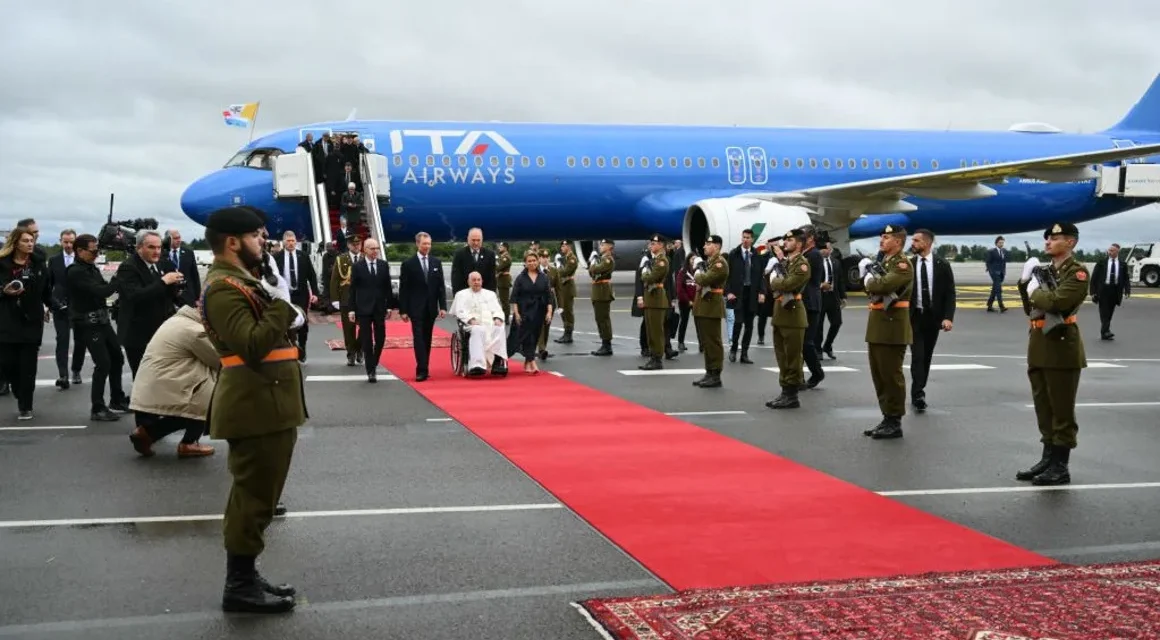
column 1048, row 279
column 878, row 270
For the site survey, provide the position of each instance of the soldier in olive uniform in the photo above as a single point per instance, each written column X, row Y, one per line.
column 566, row 294
column 655, row 300
column 1056, row 358
column 789, row 322
column 503, row 279
column 601, row 272
column 709, row 309
column 888, row 332
column 553, row 282
column 339, row 290
column 258, row 402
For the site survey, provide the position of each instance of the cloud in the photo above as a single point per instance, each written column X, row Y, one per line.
column 125, row 97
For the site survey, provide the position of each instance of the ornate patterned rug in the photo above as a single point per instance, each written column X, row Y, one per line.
column 1058, row 602
column 398, row 342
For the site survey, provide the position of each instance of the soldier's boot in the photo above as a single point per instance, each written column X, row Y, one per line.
column 890, row 428
column 654, row 363
column 878, row 427
column 700, row 381
column 713, row 380
column 246, row 591
column 1038, row 467
column 787, row 400
column 604, row 350
column 1057, row 472
column 566, row 338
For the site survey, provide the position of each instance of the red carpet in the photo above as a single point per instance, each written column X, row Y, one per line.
column 398, row 337
column 1098, row 602
column 697, row 508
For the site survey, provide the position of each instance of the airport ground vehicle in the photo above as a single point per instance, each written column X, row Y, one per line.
column 1144, row 263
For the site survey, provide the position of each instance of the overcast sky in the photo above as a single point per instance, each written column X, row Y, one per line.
column 126, row 96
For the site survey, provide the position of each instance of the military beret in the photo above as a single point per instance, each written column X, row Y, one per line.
column 1061, row 228
column 611, row 242
column 715, row 239
column 795, row 234
column 893, row 228
column 235, row 220
column 656, row 237
column 544, row 253
column 564, row 242
column 502, row 244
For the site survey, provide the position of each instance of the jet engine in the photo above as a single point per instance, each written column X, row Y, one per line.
column 728, row 217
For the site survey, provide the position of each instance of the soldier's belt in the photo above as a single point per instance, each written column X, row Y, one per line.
column 899, row 304
column 656, row 285
column 1039, row 323
column 714, row 291
column 796, row 296
column 568, row 278
column 602, row 281
column 277, row 355
column 503, row 273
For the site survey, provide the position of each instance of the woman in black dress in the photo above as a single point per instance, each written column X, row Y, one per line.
column 24, row 296
column 532, row 303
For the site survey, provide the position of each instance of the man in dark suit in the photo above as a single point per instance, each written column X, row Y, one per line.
column 371, row 297
column 1110, row 284
column 996, row 263
column 833, row 288
column 57, row 267
column 742, row 290
column 422, row 299
column 812, row 297
column 932, row 310
column 150, row 291
column 473, row 257
column 181, row 259
column 298, row 271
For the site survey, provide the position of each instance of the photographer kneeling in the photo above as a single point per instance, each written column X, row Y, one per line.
column 179, row 370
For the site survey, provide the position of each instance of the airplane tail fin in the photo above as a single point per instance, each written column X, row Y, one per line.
column 1145, row 114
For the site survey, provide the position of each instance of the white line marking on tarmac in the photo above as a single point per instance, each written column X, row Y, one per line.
column 1108, row 404
column 706, row 413
column 16, row 524
column 345, row 378
column 954, row 367
column 42, row 428
column 825, row 369
column 1105, row 365
column 557, row 374
column 169, row 620
column 1020, row 489
column 660, row 372
column 438, row 419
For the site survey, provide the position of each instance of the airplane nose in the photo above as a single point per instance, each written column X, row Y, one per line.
column 195, row 201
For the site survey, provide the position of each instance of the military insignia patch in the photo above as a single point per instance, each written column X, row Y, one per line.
column 903, row 265
column 805, row 267
column 1057, row 229
column 1081, row 275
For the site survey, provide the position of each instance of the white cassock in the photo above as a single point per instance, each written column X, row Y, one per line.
column 487, row 340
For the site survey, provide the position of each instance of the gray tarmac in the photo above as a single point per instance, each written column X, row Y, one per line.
column 403, row 524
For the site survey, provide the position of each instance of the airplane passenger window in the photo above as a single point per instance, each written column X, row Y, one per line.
column 495, row 161
column 525, row 161
column 974, row 163
column 800, row 163
column 850, row 163
column 398, row 160
column 825, row 163
column 430, row 161
column 540, row 161
column 600, row 161
column 914, row 164
column 571, row 162
column 629, row 161
column 585, row 161
column 511, row 161
column 446, row 160
column 660, row 162
column 688, row 163
column 644, row 162
column 463, row 161
column 877, row 163
column 716, row 163
column 479, row 161
column 813, row 163
column 673, row 162
column 889, row 164
column 839, row 164
column 414, row 160
column 785, row 163
column 865, row 163
column 773, row 163
column 934, row 164
column 701, row 162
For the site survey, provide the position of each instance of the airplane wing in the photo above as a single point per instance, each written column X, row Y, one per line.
column 841, row 204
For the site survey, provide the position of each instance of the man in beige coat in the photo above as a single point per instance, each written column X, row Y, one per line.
column 174, row 385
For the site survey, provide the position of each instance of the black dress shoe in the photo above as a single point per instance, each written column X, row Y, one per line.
column 919, row 405
column 76, row 377
column 62, row 383
column 279, row 509
column 745, row 358
column 420, row 377
column 104, row 415
column 372, row 376
column 121, row 406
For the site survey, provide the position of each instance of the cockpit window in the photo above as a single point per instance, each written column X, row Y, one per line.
column 254, row 159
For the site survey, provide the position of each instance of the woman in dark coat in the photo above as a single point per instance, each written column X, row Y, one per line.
column 532, row 304
column 24, row 299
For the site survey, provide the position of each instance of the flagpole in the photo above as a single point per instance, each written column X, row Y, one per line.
column 254, row 123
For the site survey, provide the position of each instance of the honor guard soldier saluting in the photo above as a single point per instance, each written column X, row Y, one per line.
column 503, row 280
column 789, row 319
column 601, row 272
column 1052, row 294
column 258, row 401
column 888, row 333
column 709, row 309
column 655, row 301
column 566, row 294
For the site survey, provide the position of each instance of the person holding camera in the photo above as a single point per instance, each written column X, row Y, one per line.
column 151, row 291
column 24, row 297
column 89, row 312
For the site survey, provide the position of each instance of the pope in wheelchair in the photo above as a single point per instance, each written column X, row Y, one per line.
column 480, row 342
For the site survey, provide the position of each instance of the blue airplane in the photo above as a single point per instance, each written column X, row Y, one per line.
column 584, row 182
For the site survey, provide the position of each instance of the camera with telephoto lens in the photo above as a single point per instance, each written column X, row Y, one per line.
column 122, row 235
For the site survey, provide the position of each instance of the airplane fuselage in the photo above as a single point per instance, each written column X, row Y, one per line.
column 522, row 181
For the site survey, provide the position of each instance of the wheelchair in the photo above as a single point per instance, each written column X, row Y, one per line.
column 461, row 351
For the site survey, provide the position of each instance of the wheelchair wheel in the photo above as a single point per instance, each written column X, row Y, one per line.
column 458, row 362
